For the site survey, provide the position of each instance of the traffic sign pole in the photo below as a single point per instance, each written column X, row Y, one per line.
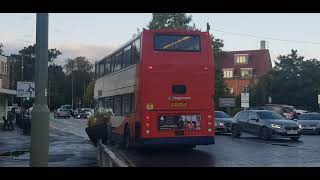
column 40, row 112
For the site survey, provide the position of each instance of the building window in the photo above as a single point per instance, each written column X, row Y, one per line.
column 230, row 90
column 227, row 73
column 241, row 58
column 246, row 72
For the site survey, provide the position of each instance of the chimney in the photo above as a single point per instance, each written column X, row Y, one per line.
column 263, row 44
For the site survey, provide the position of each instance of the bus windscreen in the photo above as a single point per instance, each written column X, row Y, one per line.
column 169, row 42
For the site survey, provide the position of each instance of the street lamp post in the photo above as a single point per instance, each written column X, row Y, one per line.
column 40, row 112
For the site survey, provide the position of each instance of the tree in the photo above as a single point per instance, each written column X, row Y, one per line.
column 292, row 81
column 79, row 63
column 1, row 50
column 79, row 73
column 56, row 86
column 29, row 57
column 88, row 96
column 170, row 21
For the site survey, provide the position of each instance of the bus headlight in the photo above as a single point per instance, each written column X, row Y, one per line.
column 148, row 131
column 209, row 130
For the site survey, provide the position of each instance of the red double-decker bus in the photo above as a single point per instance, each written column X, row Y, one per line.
column 160, row 86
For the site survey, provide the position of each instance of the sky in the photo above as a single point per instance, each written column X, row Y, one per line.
column 95, row 35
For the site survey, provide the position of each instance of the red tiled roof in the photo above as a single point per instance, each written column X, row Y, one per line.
column 259, row 60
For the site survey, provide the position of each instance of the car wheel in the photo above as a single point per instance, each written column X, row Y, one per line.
column 235, row 130
column 265, row 134
column 294, row 138
column 318, row 131
column 126, row 138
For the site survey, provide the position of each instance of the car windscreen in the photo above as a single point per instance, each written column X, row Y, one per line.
column 269, row 115
column 221, row 115
column 176, row 42
column 309, row 117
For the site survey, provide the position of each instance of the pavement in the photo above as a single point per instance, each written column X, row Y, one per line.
column 65, row 149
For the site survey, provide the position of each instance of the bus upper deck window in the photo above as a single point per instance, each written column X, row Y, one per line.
column 176, row 42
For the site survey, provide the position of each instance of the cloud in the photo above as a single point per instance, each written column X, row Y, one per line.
column 69, row 50
column 92, row 52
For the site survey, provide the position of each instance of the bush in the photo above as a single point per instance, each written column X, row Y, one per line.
column 102, row 116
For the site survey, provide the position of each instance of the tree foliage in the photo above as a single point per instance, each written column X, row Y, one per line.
column 1, row 50
column 56, row 86
column 294, row 81
column 171, row 21
column 79, row 73
column 29, row 57
column 80, row 63
column 88, row 95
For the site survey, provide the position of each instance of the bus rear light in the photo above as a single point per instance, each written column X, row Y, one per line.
column 147, row 117
column 209, row 123
column 147, row 124
column 148, row 131
column 150, row 67
column 209, row 130
column 209, row 116
column 205, row 68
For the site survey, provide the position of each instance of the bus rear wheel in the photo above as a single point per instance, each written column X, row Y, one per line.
column 126, row 138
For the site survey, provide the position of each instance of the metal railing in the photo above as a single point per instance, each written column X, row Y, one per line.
column 106, row 158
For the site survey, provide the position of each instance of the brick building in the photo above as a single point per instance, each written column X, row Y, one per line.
column 243, row 68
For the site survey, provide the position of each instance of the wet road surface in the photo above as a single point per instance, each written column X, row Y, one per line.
column 232, row 152
column 227, row 152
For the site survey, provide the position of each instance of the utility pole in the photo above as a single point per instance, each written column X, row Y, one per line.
column 21, row 74
column 40, row 112
column 84, row 93
column 72, row 88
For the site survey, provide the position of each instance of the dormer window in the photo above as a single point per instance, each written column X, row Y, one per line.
column 227, row 73
column 241, row 58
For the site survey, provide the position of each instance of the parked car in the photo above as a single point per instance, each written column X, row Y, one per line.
column 15, row 108
column 84, row 115
column 222, row 122
column 87, row 110
column 68, row 107
column 62, row 113
column 265, row 124
column 310, row 122
column 76, row 112
column 287, row 111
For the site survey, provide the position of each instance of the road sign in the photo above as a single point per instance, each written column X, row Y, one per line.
column 245, row 100
column 227, row 102
column 25, row 89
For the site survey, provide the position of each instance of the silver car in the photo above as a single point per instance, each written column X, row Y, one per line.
column 310, row 122
column 222, row 122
